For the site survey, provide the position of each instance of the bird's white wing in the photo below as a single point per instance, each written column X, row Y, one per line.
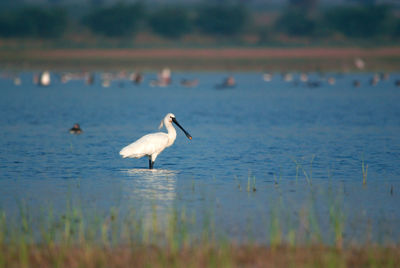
column 146, row 145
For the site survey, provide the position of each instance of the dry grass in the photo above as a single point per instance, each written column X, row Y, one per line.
column 201, row 256
column 278, row 59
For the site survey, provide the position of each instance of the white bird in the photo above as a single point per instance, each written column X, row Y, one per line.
column 151, row 145
column 44, row 79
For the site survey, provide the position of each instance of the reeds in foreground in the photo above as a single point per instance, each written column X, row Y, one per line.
column 364, row 171
column 311, row 235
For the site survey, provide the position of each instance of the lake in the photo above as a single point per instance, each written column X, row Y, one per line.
column 259, row 150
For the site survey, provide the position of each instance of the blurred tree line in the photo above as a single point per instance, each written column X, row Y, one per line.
column 301, row 18
column 33, row 22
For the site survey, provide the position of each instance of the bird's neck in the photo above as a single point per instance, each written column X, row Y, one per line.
column 171, row 133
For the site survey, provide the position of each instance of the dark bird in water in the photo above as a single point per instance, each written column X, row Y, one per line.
column 356, row 83
column 137, row 78
column 89, row 79
column 76, row 129
column 313, row 84
column 189, row 83
column 229, row 82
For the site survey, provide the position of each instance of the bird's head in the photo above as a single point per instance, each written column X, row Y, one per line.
column 169, row 118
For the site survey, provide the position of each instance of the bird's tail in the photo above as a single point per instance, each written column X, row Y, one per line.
column 125, row 154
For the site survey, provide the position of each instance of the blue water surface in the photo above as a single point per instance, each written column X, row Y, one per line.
column 296, row 145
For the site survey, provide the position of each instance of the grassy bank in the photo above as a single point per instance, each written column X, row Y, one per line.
column 230, row 59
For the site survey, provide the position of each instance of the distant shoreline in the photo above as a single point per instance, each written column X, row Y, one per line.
column 230, row 59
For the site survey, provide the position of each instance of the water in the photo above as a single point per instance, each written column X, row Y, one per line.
column 257, row 130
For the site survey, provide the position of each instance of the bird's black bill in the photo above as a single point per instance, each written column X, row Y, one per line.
column 186, row 133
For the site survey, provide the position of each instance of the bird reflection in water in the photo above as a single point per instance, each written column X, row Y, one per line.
column 153, row 192
column 152, row 184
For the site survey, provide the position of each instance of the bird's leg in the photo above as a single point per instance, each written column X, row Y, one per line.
column 151, row 164
column 152, row 159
